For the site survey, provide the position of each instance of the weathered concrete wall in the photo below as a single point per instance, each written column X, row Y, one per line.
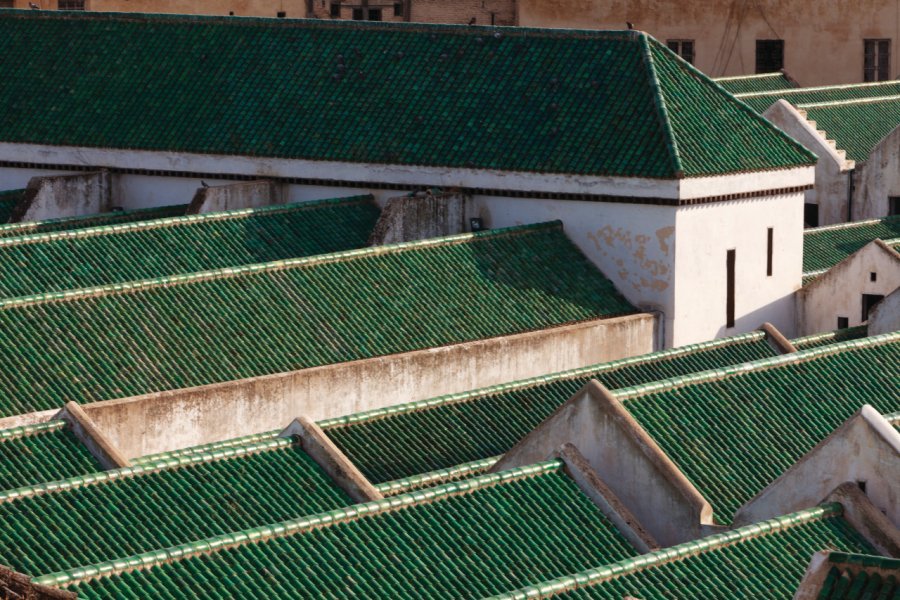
column 878, row 178
column 705, row 233
column 65, row 196
column 865, row 449
column 92, row 437
column 233, row 196
column 422, row 216
column 886, row 316
column 177, row 419
column 486, row 12
column 725, row 33
column 838, row 293
column 626, row 458
column 831, row 191
column 865, row 518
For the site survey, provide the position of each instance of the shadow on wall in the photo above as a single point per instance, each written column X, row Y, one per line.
column 762, row 314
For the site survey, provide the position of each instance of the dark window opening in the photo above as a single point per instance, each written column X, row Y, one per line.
column 877, row 60
column 729, row 293
column 366, row 14
column 374, row 14
column 7, row 4
column 862, row 486
column 281, row 14
column 770, row 242
column 335, row 10
column 873, row 276
column 398, row 9
column 769, row 56
column 357, row 14
column 869, row 301
column 894, row 206
column 71, row 5
column 811, row 215
column 843, row 322
column 683, row 48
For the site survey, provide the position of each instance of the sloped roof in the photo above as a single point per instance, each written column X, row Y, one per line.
column 239, row 322
column 762, row 561
column 115, row 514
column 406, row 440
column 8, row 230
column 572, row 102
column 38, row 264
column 857, row 577
column 764, row 82
column 856, row 126
column 40, row 453
column 818, row 340
column 831, row 93
column 469, row 539
column 824, row 247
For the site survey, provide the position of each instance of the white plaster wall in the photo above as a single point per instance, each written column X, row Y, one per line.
column 705, row 233
column 886, row 316
column 877, row 179
column 18, row 178
column 838, row 293
column 632, row 244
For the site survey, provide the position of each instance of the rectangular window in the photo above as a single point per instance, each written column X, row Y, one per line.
column 357, row 14
column 683, row 48
column 374, row 14
column 810, row 215
column 868, row 303
column 729, row 285
column 769, row 56
column 770, row 242
column 335, row 10
column 398, row 9
column 7, row 4
column 843, row 323
column 71, row 5
column 877, row 60
column 894, row 206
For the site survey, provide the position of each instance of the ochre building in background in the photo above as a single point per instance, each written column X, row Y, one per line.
column 484, row 12
column 818, row 43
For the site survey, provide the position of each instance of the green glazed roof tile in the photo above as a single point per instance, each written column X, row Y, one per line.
column 766, row 82
column 52, row 262
column 861, row 577
column 131, row 511
column 832, row 337
column 573, row 102
column 71, row 223
column 240, row 322
column 824, row 247
column 480, row 540
column 832, row 93
column 438, row 434
column 764, row 561
column 41, row 453
column 856, row 126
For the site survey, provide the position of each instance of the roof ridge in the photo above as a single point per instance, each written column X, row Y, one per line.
column 471, row 395
column 243, row 440
column 672, row 554
column 29, row 430
column 141, row 469
column 396, row 486
column 227, row 215
column 848, row 102
column 892, row 418
column 820, row 88
column 292, row 526
column 634, row 392
column 824, row 335
column 277, row 265
column 662, row 112
column 850, row 224
column 753, row 76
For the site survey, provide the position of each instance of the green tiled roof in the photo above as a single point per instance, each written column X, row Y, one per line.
column 762, row 561
column 93, row 519
column 52, row 262
column 242, row 322
column 463, row 540
column 8, row 202
column 582, row 102
column 856, row 126
column 854, row 577
column 732, row 435
column 824, row 247
column 833, row 93
column 41, row 453
column 411, row 439
column 831, row 337
column 766, row 82
column 71, row 223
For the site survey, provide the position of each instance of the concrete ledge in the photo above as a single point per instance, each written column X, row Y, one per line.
column 777, row 340
column 57, row 196
column 627, row 459
column 334, row 462
column 867, row 519
column 421, row 216
column 245, row 194
column 91, row 436
column 579, row 469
